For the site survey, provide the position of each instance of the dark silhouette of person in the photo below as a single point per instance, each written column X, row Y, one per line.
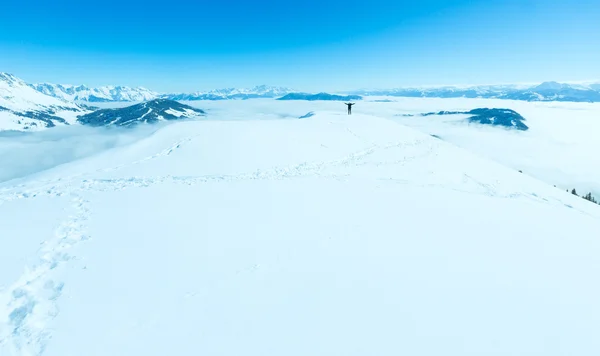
column 349, row 108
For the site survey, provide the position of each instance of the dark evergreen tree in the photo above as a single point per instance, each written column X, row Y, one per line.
column 589, row 197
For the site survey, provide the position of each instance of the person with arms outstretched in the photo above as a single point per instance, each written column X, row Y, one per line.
column 349, row 108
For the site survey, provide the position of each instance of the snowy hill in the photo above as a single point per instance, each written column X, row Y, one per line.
column 548, row 91
column 319, row 96
column 334, row 234
column 498, row 117
column 100, row 94
column 23, row 108
column 506, row 118
column 148, row 112
column 261, row 91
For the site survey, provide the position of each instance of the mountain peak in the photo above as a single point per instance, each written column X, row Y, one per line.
column 11, row 79
column 550, row 86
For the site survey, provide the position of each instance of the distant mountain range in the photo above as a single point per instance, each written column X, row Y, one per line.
column 147, row 112
column 82, row 93
column 319, row 96
column 261, row 91
column 26, row 106
column 547, row 91
column 101, row 94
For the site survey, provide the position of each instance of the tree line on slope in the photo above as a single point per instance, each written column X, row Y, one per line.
column 587, row 197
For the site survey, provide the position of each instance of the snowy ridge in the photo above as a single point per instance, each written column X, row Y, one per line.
column 358, row 225
column 319, row 96
column 23, row 108
column 100, row 94
column 261, row 91
column 16, row 95
column 547, row 91
column 123, row 93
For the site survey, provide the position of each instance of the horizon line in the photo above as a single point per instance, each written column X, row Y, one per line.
column 418, row 86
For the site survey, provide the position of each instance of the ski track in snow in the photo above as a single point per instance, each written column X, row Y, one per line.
column 52, row 187
column 32, row 300
column 75, row 185
column 57, row 187
column 30, row 303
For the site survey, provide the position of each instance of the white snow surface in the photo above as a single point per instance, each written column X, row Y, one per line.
column 184, row 113
column 559, row 148
column 330, row 235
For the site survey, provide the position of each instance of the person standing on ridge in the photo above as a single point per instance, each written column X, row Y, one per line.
column 349, row 108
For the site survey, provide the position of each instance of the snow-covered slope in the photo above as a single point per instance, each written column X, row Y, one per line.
column 100, row 94
column 23, row 108
column 326, row 235
column 560, row 146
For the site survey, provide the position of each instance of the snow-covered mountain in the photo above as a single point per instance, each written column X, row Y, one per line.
column 548, row 91
column 505, row 118
column 319, row 96
column 147, row 112
column 334, row 234
column 23, row 108
column 100, row 94
column 261, row 91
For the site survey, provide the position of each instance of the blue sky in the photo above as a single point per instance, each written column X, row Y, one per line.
column 309, row 45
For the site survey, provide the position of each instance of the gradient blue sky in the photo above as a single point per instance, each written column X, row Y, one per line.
column 173, row 46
